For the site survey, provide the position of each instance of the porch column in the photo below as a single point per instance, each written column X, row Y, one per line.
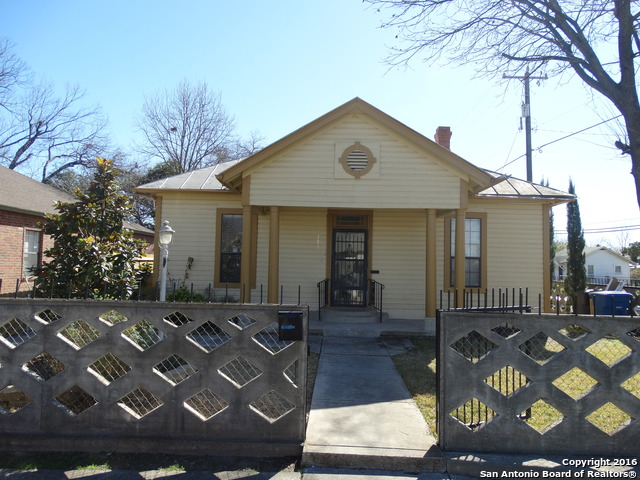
column 459, row 279
column 430, row 293
column 247, row 242
column 546, row 259
column 247, row 249
column 274, row 255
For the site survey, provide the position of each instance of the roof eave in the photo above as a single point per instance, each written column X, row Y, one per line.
column 24, row 211
column 555, row 200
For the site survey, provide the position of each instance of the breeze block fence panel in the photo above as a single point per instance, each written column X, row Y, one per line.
column 539, row 384
column 146, row 377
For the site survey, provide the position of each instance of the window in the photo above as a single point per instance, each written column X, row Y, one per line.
column 618, row 269
column 230, row 245
column 31, row 252
column 590, row 270
column 475, row 251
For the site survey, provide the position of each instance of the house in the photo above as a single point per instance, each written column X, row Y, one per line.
column 351, row 197
column 601, row 263
column 23, row 203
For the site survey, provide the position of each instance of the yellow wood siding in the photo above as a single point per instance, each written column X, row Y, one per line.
column 399, row 252
column 514, row 248
column 303, row 252
column 193, row 217
column 305, row 174
column 515, row 244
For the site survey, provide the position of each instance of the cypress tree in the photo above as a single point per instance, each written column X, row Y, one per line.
column 576, row 279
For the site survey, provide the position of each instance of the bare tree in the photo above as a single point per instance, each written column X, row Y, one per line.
column 50, row 134
column 13, row 72
column 597, row 40
column 40, row 131
column 187, row 126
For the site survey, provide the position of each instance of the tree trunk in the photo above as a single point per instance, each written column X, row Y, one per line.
column 632, row 122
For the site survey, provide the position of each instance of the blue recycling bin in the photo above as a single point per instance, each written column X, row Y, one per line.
column 611, row 303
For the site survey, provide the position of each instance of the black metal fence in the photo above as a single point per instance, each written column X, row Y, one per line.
column 177, row 291
column 507, row 300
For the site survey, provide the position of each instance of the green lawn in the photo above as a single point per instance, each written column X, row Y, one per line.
column 418, row 366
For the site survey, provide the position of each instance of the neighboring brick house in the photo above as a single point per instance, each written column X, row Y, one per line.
column 23, row 203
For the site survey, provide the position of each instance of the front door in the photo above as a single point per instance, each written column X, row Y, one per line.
column 349, row 267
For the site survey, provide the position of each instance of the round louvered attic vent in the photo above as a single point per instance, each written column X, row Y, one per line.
column 357, row 160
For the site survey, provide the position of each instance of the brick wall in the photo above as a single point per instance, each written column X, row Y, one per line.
column 12, row 227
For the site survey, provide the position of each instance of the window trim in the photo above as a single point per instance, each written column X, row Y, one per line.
column 38, row 253
column 483, row 251
column 219, row 213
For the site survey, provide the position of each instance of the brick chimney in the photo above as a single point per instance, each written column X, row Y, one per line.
column 443, row 137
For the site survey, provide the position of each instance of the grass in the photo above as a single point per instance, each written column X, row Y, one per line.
column 67, row 461
column 417, row 367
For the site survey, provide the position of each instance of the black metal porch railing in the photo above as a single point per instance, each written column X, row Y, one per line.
column 375, row 295
column 323, row 296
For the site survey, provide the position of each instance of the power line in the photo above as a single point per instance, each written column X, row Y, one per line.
column 620, row 229
column 561, row 138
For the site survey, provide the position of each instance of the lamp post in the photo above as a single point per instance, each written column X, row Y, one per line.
column 165, row 234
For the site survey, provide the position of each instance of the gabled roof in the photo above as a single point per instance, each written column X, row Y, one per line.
column 196, row 180
column 561, row 256
column 478, row 178
column 228, row 176
column 516, row 188
column 19, row 193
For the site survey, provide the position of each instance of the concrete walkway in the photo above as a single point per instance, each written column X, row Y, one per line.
column 362, row 415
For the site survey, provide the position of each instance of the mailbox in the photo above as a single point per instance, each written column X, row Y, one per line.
column 290, row 325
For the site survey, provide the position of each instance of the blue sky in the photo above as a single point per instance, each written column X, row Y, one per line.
column 280, row 64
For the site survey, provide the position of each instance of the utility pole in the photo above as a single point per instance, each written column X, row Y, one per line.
column 526, row 113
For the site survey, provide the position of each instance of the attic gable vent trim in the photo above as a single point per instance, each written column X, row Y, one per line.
column 357, row 160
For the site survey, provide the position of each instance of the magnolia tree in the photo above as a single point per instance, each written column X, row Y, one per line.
column 93, row 255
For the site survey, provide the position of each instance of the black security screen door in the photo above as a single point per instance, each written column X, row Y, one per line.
column 349, row 266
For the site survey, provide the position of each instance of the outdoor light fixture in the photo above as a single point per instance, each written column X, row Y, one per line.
column 165, row 235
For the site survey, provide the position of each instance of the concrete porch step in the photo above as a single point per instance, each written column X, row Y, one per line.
column 352, row 315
